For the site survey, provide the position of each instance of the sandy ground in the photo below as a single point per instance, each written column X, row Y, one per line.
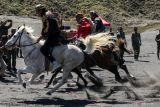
column 14, row 95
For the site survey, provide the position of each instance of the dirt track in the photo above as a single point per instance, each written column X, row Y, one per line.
column 14, row 95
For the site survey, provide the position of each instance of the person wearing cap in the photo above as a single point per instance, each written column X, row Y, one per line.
column 50, row 32
column 136, row 43
column 84, row 26
column 99, row 26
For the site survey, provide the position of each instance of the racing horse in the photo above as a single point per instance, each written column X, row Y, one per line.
column 104, row 51
column 66, row 55
column 105, row 55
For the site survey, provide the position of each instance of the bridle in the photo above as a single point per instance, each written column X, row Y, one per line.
column 19, row 45
column 19, row 38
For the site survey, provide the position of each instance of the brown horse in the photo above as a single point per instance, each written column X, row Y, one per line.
column 105, row 56
column 106, row 59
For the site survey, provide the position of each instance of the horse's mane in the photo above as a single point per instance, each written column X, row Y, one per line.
column 30, row 31
column 95, row 41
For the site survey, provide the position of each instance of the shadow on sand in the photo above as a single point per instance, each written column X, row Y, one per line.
column 68, row 103
column 143, row 61
column 129, row 61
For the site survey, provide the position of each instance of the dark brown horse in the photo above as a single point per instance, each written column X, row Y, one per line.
column 106, row 57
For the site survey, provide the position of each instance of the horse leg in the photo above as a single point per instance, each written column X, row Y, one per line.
column 99, row 81
column 34, row 76
column 20, row 71
column 19, row 76
column 124, row 67
column 80, row 75
column 114, row 70
column 62, row 82
column 53, row 76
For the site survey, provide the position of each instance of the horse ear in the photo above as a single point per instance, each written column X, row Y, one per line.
column 24, row 25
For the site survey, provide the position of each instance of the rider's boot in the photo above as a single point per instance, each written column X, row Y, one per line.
column 56, row 65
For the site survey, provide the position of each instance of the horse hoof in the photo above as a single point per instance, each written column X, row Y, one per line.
column 41, row 77
column 48, row 93
column 133, row 78
column 124, row 80
column 24, row 85
column 46, row 86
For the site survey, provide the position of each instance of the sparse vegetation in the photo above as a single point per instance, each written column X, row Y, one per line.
column 118, row 12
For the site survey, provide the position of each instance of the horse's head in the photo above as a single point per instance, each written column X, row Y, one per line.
column 18, row 38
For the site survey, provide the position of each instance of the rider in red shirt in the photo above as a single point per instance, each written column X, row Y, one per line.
column 84, row 26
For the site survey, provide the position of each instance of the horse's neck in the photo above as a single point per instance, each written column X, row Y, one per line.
column 31, row 47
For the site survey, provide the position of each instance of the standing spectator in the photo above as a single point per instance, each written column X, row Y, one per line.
column 11, row 54
column 4, row 27
column 121, row 35
column 136, row 43
column 98, row 24
column 157, row 39
column 3, row 40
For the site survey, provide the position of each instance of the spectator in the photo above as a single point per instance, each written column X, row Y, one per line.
column 4, row 27
column 11, row 55
column 136, row 43
column 121, row 35
column 157, row 39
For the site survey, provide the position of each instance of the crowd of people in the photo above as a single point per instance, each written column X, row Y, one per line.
column 51, row 32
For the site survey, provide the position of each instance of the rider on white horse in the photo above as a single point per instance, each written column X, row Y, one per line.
column 50, row 32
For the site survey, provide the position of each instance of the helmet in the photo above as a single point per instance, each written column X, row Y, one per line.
column 40, row 7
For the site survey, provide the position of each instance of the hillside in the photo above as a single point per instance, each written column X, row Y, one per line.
column 118, row 12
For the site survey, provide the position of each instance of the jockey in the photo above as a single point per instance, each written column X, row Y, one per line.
column 84, row 26
column 50, row 32
column 99, row 26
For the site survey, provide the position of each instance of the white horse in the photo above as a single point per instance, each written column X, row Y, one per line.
column 69, row 56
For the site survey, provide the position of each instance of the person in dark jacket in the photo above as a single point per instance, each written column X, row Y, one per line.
column 121, row 35
column 50, row 32
column 136, row 43
column 4, row 26
column 99, row 26
column 157, row 39
column 11, row 55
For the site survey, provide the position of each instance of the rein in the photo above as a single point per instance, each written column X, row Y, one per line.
column 19, row 38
